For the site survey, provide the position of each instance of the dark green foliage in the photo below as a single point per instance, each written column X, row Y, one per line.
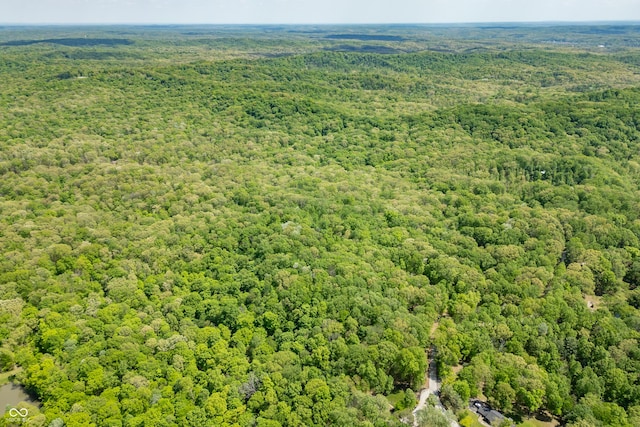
column 228, row 227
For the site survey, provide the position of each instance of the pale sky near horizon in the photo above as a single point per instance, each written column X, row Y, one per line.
column 312, row 11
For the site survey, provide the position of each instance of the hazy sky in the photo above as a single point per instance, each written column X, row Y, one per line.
column 314, row 11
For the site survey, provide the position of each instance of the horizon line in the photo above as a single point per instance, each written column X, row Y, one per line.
column 273, row 24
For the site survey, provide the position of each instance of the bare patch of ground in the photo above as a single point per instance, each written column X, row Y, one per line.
column 593, row 302
column 433, row 329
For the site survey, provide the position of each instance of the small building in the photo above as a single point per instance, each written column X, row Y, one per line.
column 490, row 416
column 493, row 417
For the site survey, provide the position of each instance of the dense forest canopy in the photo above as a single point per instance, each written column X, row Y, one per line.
column 242, row 226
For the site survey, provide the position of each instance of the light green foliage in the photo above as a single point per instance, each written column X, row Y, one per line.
column 236, row 227
column 451, row 399
column 431, row 417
